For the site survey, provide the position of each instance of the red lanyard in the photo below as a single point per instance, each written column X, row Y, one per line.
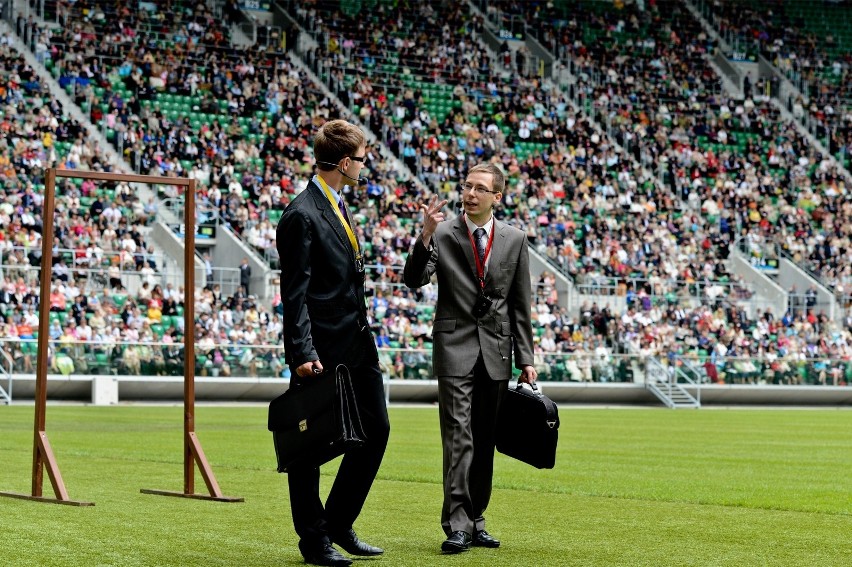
column 480, row 266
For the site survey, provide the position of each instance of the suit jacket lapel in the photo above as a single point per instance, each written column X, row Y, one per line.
column 330, row 216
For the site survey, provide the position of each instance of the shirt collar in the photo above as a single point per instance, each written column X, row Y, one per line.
column 471, row 226
column 334, row 191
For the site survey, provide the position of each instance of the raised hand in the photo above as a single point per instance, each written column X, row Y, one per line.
column 432, row 215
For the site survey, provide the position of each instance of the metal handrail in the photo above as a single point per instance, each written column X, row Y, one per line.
column 804, row 267
column 73, row 266
column 178, row 208
column 685, row 369
column 577, row 367
column 669, row 285
column 664, row 383
column 7, row 370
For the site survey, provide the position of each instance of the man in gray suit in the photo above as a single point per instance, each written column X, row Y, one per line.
column 482, row 318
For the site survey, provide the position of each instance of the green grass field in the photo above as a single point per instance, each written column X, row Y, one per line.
column 631, row 487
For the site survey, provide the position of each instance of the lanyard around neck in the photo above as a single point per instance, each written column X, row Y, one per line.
column 480, row 266
column 352, row 240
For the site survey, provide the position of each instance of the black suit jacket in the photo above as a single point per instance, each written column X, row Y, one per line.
column 322, row 293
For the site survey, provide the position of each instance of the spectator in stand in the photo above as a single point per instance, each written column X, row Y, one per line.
column 245, row 275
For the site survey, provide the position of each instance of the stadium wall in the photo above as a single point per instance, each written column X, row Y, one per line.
column 107, row 390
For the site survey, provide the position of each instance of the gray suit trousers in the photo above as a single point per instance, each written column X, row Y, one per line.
column 468, row 414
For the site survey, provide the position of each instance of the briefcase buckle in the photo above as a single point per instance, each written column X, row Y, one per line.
column 303, row 426
column 551, row 424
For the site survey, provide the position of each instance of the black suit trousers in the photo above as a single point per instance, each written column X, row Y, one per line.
column 358, row 469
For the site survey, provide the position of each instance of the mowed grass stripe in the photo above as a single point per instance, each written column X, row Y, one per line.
column 635, row 454
column 624, row 455
column 632, row 487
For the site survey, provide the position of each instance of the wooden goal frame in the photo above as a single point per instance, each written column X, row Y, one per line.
column 43, row 456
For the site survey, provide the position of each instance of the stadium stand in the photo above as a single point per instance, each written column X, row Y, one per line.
column 638, row 177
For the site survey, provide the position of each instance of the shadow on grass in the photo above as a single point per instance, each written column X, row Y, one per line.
column 296, row 559
column 409, row 554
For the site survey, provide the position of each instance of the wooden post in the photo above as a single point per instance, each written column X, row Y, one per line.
column 193, row 454
column 42, row 452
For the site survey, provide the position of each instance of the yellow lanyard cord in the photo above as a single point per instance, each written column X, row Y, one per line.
column 352, row 240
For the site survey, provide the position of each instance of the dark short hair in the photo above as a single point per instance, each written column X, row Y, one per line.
column 498, row 178
column 335, row 140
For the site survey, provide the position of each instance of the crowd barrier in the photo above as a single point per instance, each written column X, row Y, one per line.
column 108, row 373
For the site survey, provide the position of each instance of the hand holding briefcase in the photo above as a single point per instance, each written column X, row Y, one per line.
column 528, row 427
column 315, row 420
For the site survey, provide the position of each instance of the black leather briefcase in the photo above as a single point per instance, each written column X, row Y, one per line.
column 315, row 421
column 528, row 427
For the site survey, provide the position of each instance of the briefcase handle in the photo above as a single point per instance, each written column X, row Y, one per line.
column 534, row 387
column 553, row 420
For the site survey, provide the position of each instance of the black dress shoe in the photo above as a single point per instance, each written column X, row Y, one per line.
column 350, row 543
column 323, row 554
column 457, row 542
column 484, row 539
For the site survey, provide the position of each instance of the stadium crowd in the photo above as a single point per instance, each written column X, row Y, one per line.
column 809, row 44
column 177, row 99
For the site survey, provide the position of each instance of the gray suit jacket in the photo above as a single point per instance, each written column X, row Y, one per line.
column 458, row 336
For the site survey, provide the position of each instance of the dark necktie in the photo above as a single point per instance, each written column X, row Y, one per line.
column 479, row 237
column 343, row 212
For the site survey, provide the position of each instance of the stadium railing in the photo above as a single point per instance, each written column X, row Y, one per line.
column 86, row 358
column 77, row 259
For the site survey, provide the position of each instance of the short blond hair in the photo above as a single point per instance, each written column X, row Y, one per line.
column 335, row 140
column 498, row 178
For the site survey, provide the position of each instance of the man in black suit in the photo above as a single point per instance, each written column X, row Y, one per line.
column 245, row 275
column 325, row 324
